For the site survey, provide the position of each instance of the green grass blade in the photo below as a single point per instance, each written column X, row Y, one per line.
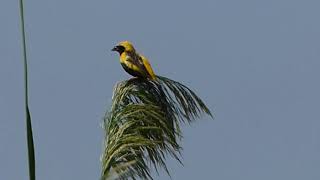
column 31, row 157
column 31, row 154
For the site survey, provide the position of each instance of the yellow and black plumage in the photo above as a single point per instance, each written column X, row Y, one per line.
column 134, row 63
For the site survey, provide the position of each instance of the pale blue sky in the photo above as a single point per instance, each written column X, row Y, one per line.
column 255, row 63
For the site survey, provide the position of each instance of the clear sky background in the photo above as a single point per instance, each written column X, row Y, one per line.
column 255, row 63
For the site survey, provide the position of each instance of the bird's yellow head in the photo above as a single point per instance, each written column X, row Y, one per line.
column 124, row 46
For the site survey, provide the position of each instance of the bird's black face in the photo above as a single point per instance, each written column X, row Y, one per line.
column 119, row 49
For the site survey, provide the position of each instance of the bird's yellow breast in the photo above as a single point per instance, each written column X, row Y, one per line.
column 128, row 61
column 136, row 65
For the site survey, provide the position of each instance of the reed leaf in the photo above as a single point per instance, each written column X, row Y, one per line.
column 30, row 144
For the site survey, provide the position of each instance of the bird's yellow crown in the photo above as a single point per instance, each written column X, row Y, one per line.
column 127, row 46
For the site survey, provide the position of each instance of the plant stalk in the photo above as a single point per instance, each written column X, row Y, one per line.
column 31, row 154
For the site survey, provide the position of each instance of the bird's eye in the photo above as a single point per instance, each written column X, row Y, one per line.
column 121, row 49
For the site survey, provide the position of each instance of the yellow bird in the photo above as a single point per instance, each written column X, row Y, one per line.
column 132, row 62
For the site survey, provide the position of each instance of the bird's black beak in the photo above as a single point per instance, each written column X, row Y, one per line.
column 116, row 48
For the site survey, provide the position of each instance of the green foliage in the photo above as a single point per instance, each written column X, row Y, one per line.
column 142, row 126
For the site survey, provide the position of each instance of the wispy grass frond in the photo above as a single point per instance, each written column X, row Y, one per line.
column 188, row 105
column 143, row 125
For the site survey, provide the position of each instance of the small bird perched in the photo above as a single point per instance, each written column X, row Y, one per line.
column 133, row 63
